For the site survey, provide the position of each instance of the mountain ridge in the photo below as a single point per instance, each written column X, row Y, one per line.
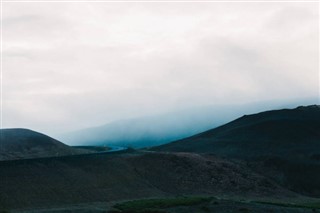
column 263, row 126
column 283, row 145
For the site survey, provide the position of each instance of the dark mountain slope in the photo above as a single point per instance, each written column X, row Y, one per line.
column 286, row 133
column 283, row 145
column 24, row 143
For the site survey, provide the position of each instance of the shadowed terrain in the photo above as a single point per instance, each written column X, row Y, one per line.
column 263, row 162
column 24, row 143
column 287, row 133
column 50, row 182
column 281, row 144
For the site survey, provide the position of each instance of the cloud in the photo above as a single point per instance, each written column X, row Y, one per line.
column 73, row 65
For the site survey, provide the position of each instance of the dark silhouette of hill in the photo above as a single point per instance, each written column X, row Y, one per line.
column 49, row 182
column 287, row 133
column 282, row 144
column 24, row 143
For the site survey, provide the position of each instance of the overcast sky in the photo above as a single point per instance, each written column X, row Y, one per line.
column 74, row 65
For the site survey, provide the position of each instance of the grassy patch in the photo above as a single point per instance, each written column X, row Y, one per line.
column 155, row 205
column 161, row 205
column 293, row 205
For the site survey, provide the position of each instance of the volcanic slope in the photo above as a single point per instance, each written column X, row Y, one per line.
column 289, row 133
column 23, row 143
column 282, row 144
column 107, row 177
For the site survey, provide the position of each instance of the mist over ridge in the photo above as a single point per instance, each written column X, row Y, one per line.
column 163, row 128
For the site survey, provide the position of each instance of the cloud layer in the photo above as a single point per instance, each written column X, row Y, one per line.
column 75, row 65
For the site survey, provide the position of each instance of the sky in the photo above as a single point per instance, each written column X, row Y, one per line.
column 73, row 65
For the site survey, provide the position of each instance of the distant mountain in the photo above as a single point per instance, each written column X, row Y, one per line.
column 146, row 131
column 24, row 143
column 163, row 128
column 281, row 144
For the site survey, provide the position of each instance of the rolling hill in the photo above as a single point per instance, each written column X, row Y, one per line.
column 24, row 143
column 281, row 144
column 289, row 133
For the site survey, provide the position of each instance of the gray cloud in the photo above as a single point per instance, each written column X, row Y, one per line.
column 75, row 65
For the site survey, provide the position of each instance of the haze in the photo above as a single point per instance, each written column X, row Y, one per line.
column 68, row 66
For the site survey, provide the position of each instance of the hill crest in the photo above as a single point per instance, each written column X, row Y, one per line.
column 20, row 143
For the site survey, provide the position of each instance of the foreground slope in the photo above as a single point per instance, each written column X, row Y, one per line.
column 24, row 143
column 281, row 144
column 50, row 182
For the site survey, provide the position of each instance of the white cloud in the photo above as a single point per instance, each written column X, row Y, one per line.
column 71, row 65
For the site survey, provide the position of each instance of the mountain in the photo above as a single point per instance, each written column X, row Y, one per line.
column 24, row 143
column 145, row 131
column 163, row 128
column 281, row 144
column 290, row 133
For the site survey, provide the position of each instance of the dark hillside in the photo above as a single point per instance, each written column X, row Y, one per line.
column 281, row 144
column 24, row 143
column 293, row 134
column 66, row 180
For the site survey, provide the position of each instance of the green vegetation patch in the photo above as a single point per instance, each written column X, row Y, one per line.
column 154, row 204
column 161, row 205
column 293, row 205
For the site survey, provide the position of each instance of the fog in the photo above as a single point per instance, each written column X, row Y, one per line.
column 68, row 66
column 147, row 131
